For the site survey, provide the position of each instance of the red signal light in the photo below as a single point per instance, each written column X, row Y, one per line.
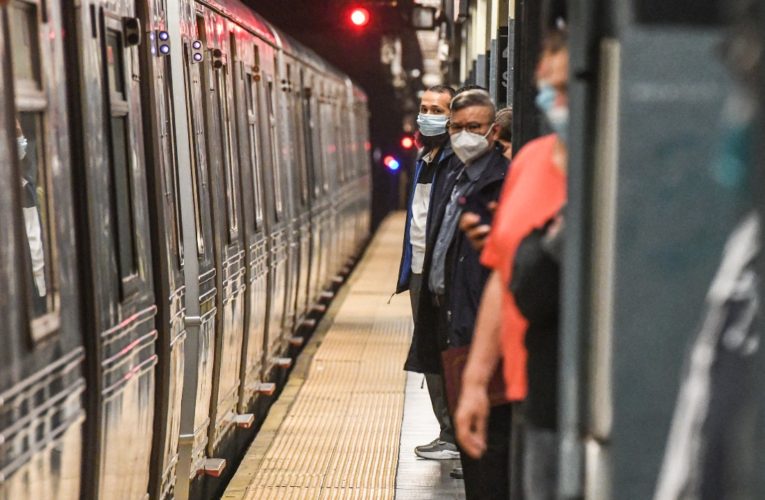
column 359, row 17
column 407, row 142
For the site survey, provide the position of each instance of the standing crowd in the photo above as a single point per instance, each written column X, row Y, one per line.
column 481, row 260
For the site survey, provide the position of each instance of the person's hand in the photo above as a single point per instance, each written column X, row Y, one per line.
column 476, row 232
column 471, row 419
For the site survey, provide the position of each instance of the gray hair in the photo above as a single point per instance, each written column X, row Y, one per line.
column 473, row 97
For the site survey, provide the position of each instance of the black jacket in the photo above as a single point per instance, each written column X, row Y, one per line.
column 439, row 197
column 452, row 323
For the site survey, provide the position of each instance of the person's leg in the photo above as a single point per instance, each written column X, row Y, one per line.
column 540, row 470
column 434, row 381
column 415, row 285
column 437, row 394
column 516, row 452
column 487, row 477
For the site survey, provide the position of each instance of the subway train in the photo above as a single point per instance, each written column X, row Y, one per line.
column 186, row 187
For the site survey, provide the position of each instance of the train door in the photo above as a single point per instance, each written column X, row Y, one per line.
column 290, row 158
column 277, row 222
column 301, row 184
column 329, row 161
column 167, row 242
column 199, row 355
column 341, row 117
column 229, row 252
column 116, row 256
column 247, row 76
column 309, row 84
column 644, row 177
column 41, row 360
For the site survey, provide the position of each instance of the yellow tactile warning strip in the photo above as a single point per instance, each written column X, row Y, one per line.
column 337, row 436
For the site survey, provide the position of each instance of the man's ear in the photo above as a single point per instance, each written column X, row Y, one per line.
column 495, row 131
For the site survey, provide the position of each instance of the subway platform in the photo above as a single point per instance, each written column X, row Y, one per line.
column 347, row 422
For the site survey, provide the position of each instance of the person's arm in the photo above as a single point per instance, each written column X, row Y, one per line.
column 472, row 413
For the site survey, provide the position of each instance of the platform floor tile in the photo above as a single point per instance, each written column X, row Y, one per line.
column 336, row 431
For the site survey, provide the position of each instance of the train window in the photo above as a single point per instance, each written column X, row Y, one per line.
column 198, row 181
column 120, row 155
column 276, row 174
column 167, row 137
column 122, row 193
column 251, row 91
column 39, row 222
column 229, row 171
column 25, row 42
column 114, row 63
column 38, row 213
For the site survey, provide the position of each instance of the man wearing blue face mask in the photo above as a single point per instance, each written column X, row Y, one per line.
column 431, row 166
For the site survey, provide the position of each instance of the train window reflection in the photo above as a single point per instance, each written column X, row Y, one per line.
column 39, row 220
column 114, row 62
column 25, row 42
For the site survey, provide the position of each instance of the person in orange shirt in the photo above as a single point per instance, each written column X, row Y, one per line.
column 534, row 192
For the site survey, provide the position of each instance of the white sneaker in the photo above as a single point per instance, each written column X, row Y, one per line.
column 437, row 450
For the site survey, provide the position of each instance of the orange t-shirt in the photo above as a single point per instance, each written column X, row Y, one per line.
column 533, row 193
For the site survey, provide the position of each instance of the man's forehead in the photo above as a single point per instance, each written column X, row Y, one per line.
column 441, row 98
column 471, row 112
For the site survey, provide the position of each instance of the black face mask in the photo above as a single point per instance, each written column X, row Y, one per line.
column 433, row 141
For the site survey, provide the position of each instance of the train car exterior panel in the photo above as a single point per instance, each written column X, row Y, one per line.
column 167, row 246
column 41, row 363
column 111, row 156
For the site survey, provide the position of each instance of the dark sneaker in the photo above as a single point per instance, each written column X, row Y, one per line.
column 456, row 473
column 437, row 450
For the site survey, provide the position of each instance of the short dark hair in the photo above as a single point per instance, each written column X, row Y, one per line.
column 474, row 97
column 555, row 39
column 441, row 89
column 465, row 88
column 504, row 119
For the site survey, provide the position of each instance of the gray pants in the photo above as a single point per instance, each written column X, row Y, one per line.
column 435, row 381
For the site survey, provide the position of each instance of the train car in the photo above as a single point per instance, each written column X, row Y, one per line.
column 41, row 361
column 217, row 196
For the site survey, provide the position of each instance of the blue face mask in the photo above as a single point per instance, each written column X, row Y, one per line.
column 545, row 99
column 431, row 125
column 557, row 116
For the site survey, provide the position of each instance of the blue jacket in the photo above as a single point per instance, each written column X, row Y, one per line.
column 405, row 268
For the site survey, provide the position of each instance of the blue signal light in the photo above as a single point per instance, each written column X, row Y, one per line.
column 164, row 36
column 392, row 163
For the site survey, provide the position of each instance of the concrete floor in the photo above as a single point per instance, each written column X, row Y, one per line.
column 417, row 478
